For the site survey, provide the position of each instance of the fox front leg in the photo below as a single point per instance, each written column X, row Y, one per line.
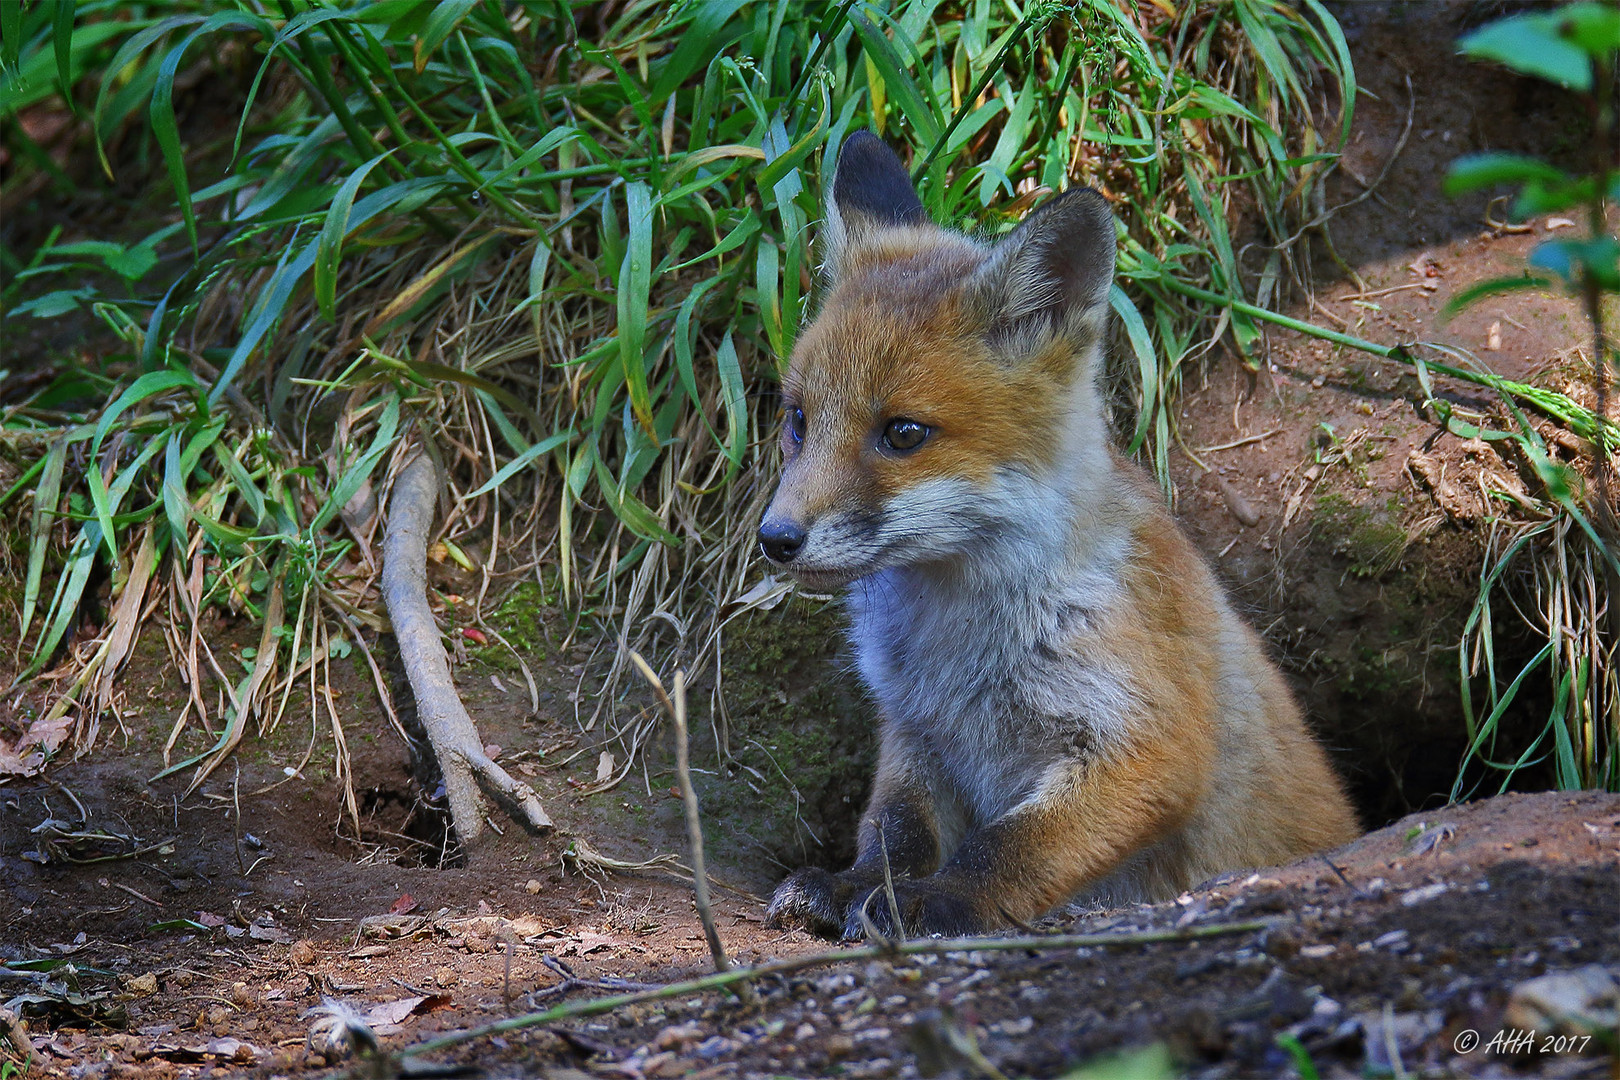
column 899, row 827
column 1076, row 832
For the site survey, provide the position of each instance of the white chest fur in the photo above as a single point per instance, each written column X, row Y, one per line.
column 986, row 668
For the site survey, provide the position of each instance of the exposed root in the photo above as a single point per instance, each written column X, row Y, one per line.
column 450, row 730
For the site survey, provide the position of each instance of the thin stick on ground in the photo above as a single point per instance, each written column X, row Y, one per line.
column 454, row 737
column 741, row 975
column 694, row 821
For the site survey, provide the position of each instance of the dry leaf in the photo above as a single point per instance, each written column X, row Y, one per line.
column 604, row 767
column 387, row 1013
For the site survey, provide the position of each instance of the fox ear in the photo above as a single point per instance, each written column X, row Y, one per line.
column 871, row 191
column 1051, row 275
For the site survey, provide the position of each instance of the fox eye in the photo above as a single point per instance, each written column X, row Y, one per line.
column 902, row 434
column 795, row 424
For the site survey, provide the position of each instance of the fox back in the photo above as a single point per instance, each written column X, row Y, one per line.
column 1070, row 704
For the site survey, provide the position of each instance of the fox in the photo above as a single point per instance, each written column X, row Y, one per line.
column 1070, row 708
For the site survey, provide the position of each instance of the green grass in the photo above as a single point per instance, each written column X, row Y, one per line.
column 569, row 246
column 571, row 250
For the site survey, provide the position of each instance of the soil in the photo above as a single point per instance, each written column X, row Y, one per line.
column 1410, row 936
column 211, row 922
column 1370, row 522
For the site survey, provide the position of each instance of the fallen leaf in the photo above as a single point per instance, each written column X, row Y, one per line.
column 392, row 1012
column 1431, row 838
column 403, row 906
column 604, row 767
column 45, row 733
column 764, row 594
column 37, row 744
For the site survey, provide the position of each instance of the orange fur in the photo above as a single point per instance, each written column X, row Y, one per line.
column 1071, row 706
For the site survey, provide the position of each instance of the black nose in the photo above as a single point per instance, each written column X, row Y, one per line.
column 780, row 540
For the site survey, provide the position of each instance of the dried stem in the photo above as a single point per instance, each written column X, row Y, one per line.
column 694, row 822
column 738, row 976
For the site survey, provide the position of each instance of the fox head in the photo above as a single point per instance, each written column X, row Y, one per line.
column 945, row 396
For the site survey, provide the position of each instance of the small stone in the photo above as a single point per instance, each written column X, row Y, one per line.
column 532, row 887
column 445, row 976
column 303, row 953
column 665, row 1065
column 1581, row 1001
column 839, row 1047
column 678, row 1035
column 1413, row 897
column 142, row 985
column 242, row 995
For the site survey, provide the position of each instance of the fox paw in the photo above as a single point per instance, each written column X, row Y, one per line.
column 926, row 907
column 812, row 899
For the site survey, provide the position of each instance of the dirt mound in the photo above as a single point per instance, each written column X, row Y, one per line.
column 1395, row 945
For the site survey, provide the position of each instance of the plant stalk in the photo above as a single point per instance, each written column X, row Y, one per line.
column 929, row 947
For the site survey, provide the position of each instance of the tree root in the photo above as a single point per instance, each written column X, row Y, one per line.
column 450, row 730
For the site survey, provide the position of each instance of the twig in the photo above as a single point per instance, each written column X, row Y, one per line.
column 1504, row 226
column 1240, row 442
column 1370, row 294
column 694, row 823
column 930, row 947
column 510, row 941
column 888, row 888
column 1333, row 866
column 236, row 817
column 137, row 895
column 450, row 730
column 84, row 815
column 571, row 981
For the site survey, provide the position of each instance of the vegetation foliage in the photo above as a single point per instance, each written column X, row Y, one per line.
column 567, row 245
column 1568, row 553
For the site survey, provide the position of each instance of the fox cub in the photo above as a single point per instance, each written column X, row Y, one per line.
column 1070, row 706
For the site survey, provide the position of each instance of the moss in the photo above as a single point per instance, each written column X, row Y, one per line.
column 522, row 619
column 803, row 738
column 1372, row 538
